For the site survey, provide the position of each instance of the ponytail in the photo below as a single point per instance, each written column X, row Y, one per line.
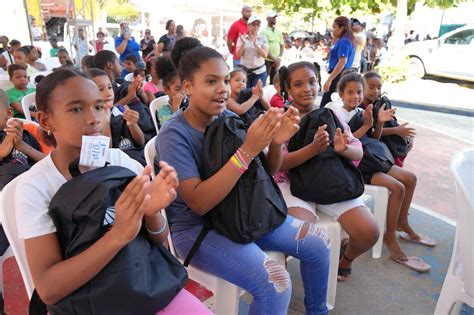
column 318, row 74
column 283, row 74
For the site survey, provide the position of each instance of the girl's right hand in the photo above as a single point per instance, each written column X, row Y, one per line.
column 130, row 208
column 262, row 131
column 321, row 139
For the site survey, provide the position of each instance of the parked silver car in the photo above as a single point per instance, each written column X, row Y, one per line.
column 450, row 55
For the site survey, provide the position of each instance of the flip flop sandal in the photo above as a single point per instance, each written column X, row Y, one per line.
column 344, row 273
column 414, row 263
column 424, row 239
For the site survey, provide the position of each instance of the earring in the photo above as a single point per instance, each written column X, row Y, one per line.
column 49, row 132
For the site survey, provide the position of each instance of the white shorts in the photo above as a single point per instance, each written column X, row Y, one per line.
column 334, row 210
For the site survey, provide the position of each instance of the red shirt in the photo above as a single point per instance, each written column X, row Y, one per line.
column 277, row 101
column 99, row 46
column 238, row 27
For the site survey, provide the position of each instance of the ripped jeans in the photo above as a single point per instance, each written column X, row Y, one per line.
column 247, row 266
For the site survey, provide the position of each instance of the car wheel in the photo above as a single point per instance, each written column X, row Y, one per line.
column 415, row 69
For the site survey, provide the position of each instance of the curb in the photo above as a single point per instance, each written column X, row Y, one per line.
column 435, row 108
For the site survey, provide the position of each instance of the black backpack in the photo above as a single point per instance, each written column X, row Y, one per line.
column 328, row 177
column 377, row 156
column 141, row 279
column 396, row 144
column 255, row 206
column 254, row 111
column 121, row 134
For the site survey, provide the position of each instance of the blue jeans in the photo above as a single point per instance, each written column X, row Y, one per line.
column 253, row 78
column 247, row 266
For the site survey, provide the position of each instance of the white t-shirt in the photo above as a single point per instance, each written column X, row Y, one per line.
column 9, row 57
column 251, row 58
column 338, row 108
column 37, row 188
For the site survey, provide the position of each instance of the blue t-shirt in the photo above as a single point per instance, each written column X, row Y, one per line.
column 180, row 145
column 342, row 48
column 132, row 47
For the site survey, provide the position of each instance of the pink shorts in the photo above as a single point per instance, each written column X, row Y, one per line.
column 185, row 303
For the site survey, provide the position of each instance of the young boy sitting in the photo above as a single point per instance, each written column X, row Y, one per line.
column 21, row 58
column 130, row 65
column 17, row 145
column 19, row 79
column 172, row 87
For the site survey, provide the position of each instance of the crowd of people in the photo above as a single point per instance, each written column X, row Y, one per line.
column 94, row 99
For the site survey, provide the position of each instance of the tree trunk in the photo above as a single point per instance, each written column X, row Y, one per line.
column 398, row 40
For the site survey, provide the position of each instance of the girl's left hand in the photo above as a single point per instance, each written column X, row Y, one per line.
column 341, row 141
column 289, row 126
column 162, row 189
column 131, row 117
column 326, row 86
column 385, row 115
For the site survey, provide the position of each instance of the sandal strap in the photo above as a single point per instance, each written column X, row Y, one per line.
column 343, row 252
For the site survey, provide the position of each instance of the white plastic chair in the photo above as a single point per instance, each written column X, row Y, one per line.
column 226, row 294
column 129, row 77
column 150, row 153
column 5, row 84
column 380, row 196
column 8, row 217
column 268, row 92
column 25, row 104
column 333, row 231
column 155, row 106
column 459, row 282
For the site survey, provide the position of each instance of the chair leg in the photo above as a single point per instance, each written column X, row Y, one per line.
column 380, row 212
column 333, row 230
column 227, row 298
column 450, row 293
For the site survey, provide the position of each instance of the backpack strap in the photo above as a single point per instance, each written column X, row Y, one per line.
column 74, row 168
column 196, row 244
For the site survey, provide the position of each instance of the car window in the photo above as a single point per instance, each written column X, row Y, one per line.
column 461, row 38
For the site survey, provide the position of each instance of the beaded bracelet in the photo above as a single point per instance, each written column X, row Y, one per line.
column 245, row 153
column 165, row 223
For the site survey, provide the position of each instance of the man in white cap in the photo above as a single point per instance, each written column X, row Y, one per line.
column 238, row 28
column 275, row 45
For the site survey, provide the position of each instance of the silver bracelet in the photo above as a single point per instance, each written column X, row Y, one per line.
column 165, row 223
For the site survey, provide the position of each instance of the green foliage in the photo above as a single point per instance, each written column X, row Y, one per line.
column 393, row 73
column 316, row 7
column 120, row 10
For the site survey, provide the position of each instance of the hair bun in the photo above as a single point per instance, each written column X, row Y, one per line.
column 181, row 47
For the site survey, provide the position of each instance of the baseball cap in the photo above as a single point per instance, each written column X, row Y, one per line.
column 252, row 19
column 272, row 14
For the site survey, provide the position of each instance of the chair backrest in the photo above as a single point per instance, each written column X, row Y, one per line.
column 8, row 217
column 5, row 84
column 129, row 77
column 155, row 106
column 462, row 167
column 26, row 102
column 268, row 92
column 150, row 153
